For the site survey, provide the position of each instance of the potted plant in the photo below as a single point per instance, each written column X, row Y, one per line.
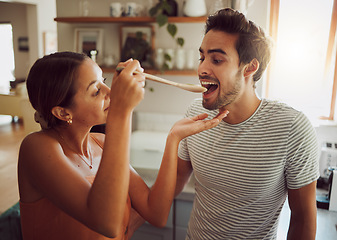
column 137, row 47
column 161, row 11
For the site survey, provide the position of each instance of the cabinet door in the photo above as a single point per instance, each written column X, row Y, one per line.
column 182, row 215
column 180, row 233
column 182, row 210
column 149, row 232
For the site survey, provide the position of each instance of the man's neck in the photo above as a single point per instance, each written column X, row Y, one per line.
column 241, row 110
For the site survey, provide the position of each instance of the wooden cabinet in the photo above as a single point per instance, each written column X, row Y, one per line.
column 134, row 20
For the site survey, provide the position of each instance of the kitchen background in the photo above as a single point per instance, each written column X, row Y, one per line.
column 34, row 20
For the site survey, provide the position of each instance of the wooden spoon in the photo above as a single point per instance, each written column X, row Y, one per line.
column 187, row 87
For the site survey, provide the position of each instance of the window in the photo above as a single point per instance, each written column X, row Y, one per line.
column 7, row 65
column 302, row 72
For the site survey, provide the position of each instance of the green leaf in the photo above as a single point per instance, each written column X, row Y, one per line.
column 161, row 19
column 153, row 11
column 167, row 7
column 167, row 57
column 172, row 29
column 165, row 67
column 180, row 41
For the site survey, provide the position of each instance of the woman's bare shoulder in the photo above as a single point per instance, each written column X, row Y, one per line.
column 39, row 153
column 39, row 140
column 39, row 144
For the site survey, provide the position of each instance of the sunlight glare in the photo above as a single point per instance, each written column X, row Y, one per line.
column 298, row 74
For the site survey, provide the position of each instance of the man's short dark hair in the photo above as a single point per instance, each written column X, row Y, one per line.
column 252, row 41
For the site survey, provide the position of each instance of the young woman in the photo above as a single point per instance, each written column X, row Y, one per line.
column 79, row 185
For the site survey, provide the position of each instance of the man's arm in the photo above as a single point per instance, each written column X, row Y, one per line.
column 184, row 171
column 302, row 203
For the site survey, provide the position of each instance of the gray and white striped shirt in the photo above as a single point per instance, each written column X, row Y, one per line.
column 243, row 171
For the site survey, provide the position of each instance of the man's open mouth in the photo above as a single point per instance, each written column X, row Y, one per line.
column 211, row 86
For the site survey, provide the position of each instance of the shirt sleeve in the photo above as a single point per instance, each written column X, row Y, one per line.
column 302, row 166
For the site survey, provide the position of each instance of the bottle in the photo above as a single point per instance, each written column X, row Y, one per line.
column 217, row 5
column 84, row 7
column 159, row 58
column 170, row 63
column 180, row 58
column 195, row 8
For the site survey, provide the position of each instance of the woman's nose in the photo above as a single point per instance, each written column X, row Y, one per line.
column 106, row 91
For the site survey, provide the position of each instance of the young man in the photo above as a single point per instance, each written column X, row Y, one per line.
column 262, row 153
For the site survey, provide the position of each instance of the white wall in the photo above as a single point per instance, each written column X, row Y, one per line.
column 39, row 17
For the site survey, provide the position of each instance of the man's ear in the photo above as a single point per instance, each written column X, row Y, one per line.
column 251, row 68
column 61, row 113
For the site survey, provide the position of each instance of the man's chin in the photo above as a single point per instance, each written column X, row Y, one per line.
column 206, row 104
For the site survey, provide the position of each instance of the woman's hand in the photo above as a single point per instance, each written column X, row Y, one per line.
column 193, row 125
column 127, row 88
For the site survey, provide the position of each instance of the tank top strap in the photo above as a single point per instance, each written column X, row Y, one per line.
column 98, row 142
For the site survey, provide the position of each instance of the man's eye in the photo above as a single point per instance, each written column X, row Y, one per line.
column 201, row 59
column 216, row 61
column 104, row 80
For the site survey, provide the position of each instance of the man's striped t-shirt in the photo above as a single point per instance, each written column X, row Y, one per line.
column 243, row 171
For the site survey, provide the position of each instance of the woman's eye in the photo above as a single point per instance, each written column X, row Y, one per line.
column 98, row 91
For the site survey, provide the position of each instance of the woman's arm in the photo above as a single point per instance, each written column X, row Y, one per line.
column 109, row 191
column 45, row 170
column 154, row 204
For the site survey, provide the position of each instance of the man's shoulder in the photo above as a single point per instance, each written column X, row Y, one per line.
column 275, row 108
column 287, row 115
column 278, row 105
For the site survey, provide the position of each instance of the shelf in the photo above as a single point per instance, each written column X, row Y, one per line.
column 127, row 19
column 158, row 72
column 72, row 20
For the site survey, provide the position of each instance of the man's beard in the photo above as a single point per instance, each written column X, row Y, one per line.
column 225, row 98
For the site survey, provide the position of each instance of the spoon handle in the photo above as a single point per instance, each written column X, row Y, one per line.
column 188, row 87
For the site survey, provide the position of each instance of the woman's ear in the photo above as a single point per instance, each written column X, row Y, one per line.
column 61, row 113
column 251, row 68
